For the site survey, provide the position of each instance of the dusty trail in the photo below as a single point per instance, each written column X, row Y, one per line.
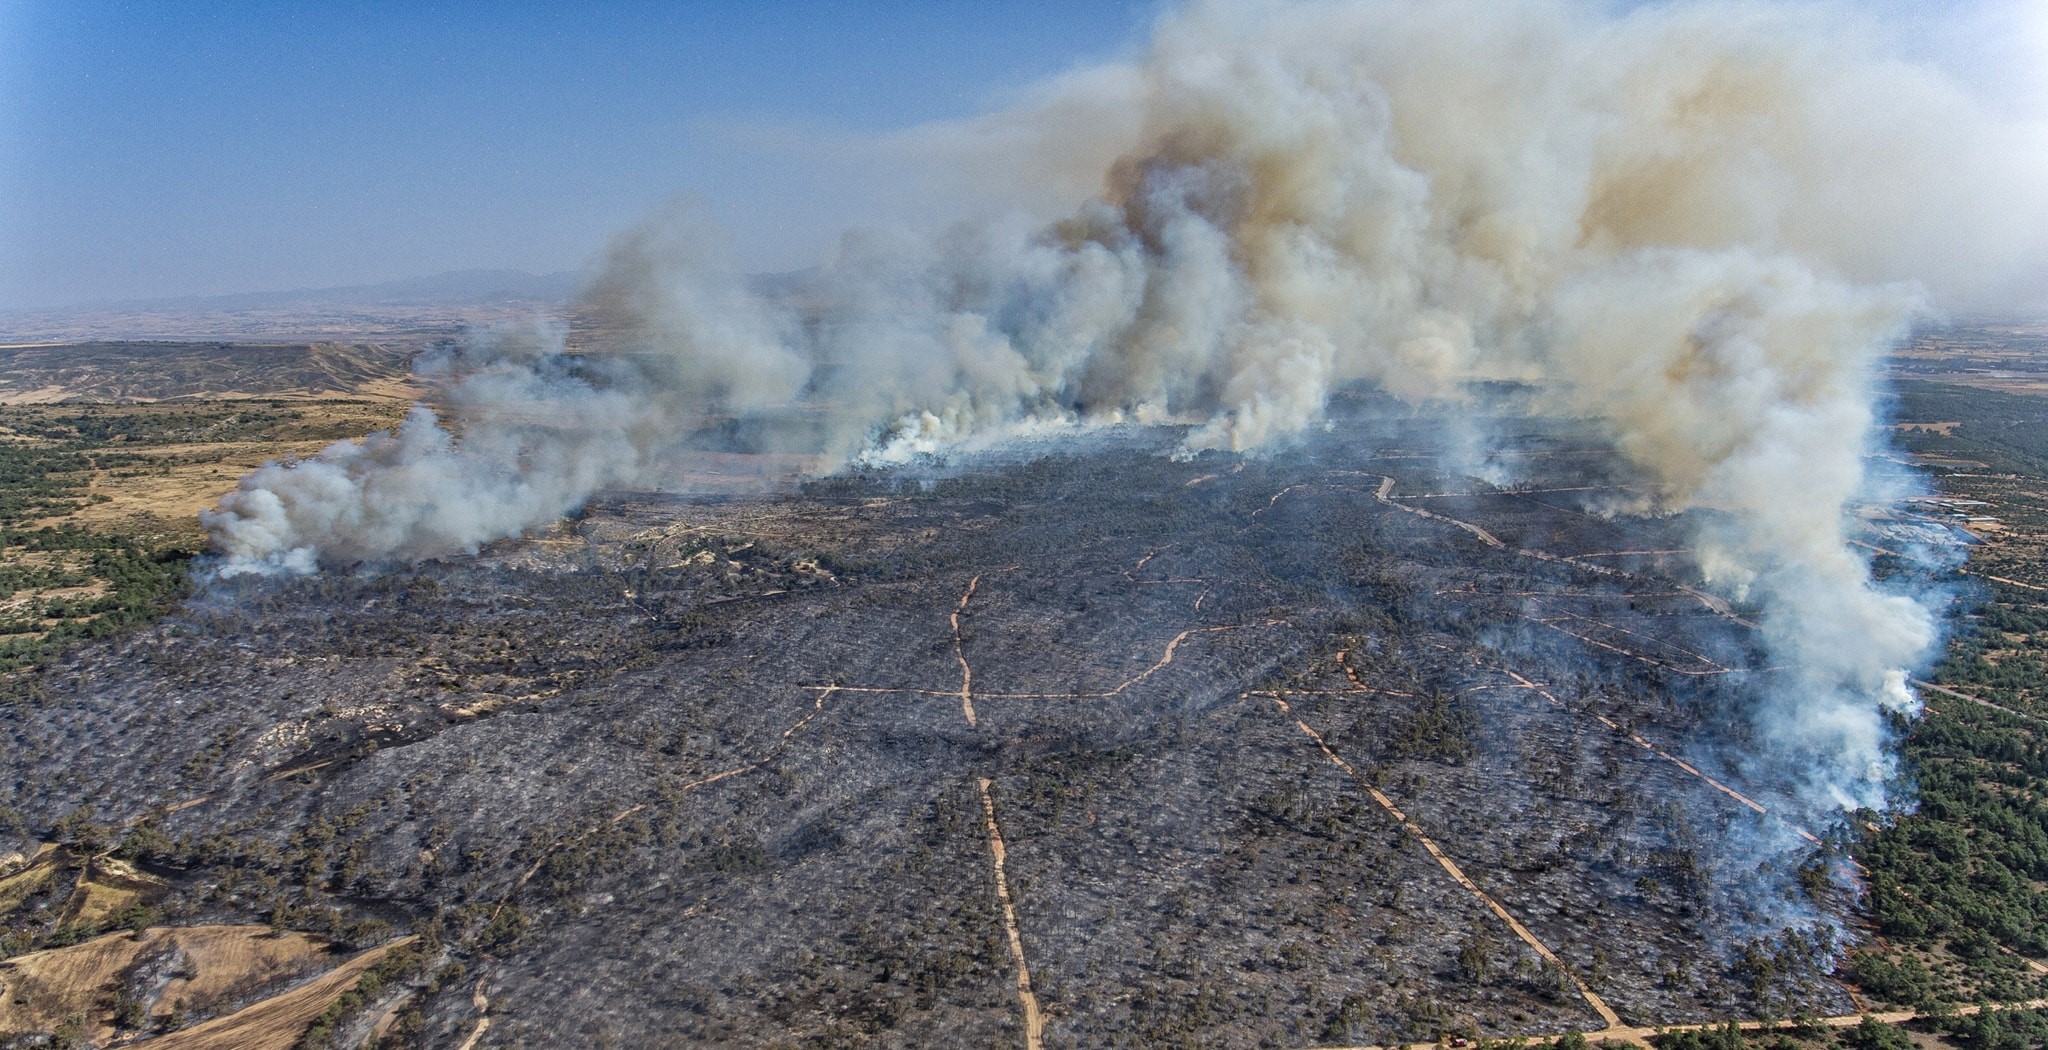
column 1712, row 602
column 1682, row 764
column 1713, row 668
column 966, row 693
column 1458, row 875
column 2002, row 709
column 1277, row 496
column 481, row 1003
column 1034, row 1022
column 1174, row 646
column 1471, row 592
column 1965, row 571
column 1130, row 575
column 1637, row 739
column 960, row 652
column 1344, row 664
column 1521, row 492
column 1674, row 646
column 817, row 708
column 1166, row 659
column 1384, row 494
column 1357, row 686
column 292, row 771
column 558, row 845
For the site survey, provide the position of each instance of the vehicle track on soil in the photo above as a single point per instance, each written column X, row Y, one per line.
column 1457, row 874
column 1032, row 1013
column 1719, row 606
column 1027, row 1000
column 960, row 652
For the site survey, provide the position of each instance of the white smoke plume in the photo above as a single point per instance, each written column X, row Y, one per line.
column 1699, row 224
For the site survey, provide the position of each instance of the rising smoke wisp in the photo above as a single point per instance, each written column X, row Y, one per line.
column 1699, row 225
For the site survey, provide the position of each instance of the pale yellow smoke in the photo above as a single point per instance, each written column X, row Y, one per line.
column 1698, row 225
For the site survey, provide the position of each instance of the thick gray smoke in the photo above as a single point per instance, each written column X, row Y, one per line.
column 1699, row 225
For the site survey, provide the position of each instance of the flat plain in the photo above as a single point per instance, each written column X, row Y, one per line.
column 1073, row 745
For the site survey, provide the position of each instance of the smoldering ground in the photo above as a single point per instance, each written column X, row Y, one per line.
column 714, row 757
column 1697, row 225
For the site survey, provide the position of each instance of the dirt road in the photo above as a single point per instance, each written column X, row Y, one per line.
column 1034, row 1022
column 1719, row 606
column 1458, row 875
column 960, row 652
column 1946, row 691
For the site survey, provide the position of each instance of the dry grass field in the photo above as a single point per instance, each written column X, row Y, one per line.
column 166, row 972
column 109, row 451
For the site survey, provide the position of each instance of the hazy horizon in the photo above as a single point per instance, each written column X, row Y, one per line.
column 153, row 154
column 158, row 153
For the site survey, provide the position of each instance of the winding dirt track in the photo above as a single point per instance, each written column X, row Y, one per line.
column 1716, row 604
column 481, row 1003
column 1034, row 1020
column 960, row 652
column 966, row 693
column 1961, row 569
column 1356, row 687
column 1385, row 495
column 1711, row 668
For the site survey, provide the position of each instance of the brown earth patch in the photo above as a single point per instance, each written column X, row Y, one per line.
column 277, row 1022
column 208, row 968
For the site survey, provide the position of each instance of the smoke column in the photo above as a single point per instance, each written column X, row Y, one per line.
column 1698, row 225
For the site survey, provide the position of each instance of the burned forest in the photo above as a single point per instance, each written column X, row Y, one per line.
column 1225, row 524
column 1079, row 745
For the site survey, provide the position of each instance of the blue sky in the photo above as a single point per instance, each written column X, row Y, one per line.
column 178, row 148
column 175, row 148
